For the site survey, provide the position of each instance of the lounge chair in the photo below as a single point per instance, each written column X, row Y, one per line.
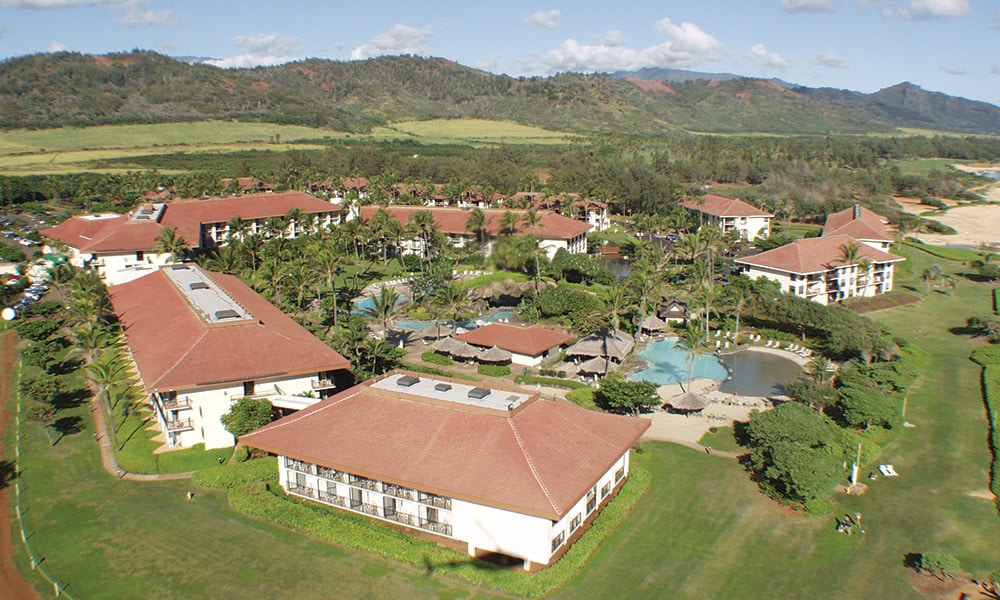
column 717, row 332
column 727, row 345
column 768, row 344
column 891, row 471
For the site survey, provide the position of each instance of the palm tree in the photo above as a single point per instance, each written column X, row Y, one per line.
column 89, row 341
column 508, row 223
column 236, row 230
column 689, row 341
column 931, row 273
column 329, row 265
column 476, row 223
column 106, row 376
column 61, row 274
column 617, row 301
column 168, row 242
column 225, row 259
column 383, row 307
column 452, row 298
column 423, row 226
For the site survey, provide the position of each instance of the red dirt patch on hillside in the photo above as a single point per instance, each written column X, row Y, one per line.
column 659, row 88
column 107, row 60
column 259, row 86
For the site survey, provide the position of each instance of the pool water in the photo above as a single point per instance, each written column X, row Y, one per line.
column 368, row 303
column 470, row 324
column 753, row 373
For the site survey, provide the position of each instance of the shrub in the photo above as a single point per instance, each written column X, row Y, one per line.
column 494, row 370
column 434, row 358
column 938, row 563
column 583, row 397
column 411, row 262
column 47, row 308
column 996, row 300
column 563, row 383
column 938, row 227
column 991, row 391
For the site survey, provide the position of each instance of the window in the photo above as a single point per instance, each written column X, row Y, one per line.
column 248, row 388
column 558, row 540
column 619, row 474
column 592, row 499
column 605, row 490
column 432, row 515
column 139, row 255
column 575, row 523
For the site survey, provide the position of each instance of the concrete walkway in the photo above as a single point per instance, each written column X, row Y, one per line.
column 108, row 453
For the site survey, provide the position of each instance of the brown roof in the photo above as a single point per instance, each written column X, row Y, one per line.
column 452, row 221
column 175, row 349
column 121, row 234
column 722, row 206
column 814, row 255
column 538, row 459
column 529, row 341
column 857, row 222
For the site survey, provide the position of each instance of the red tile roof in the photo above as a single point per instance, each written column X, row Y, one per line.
column 120, row 234
column 863, row 224
column 529, row 341
column 538, row 459
column 452, row 221
column 722, row 206
column 814, row 255
column 176, row 349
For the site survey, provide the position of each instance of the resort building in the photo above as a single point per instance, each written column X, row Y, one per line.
column 861, row 224
column 553, row 231
column 612, row 346
column 493, row 470
column 123, row 247
column 817, row 269
column 202, row 340
column 527, row 345
column 729, row 214
column 592, row 212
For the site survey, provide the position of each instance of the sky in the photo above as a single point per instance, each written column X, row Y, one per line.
column 951, row 46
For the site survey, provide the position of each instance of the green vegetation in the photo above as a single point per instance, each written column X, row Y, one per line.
column 991, row 391
column 435, row 358
column 493, row 370
column 583, row 397
column 552, row 382
column 246, row 415
column 722, row 438
column 956, row 254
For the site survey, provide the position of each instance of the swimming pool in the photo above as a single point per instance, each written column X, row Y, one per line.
column 368, row 303
column 469, row 324
column 753, row 373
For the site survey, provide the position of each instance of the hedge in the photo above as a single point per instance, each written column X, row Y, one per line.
column 991, row 391
column 996, row 300
column 493, row 370
column 551, row 381
column 582, row 397
column 434, row 358
column 432, row 371
column 265, row 501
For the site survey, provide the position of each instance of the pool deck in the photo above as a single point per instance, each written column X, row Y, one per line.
column 722, row 409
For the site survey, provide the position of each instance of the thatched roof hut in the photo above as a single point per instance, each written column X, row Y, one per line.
column 688, row 402
column 494, row 355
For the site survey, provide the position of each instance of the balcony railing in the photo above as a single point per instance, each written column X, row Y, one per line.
column 180, row 425
column 302, row 490
column 322, row 384
column 365, row 508
column 401, row 518
column 362, row 482
column 300, row 466
column 177, row 403
column 442, row 528
column 433, row 500
column 331, row 498
column 400, row 492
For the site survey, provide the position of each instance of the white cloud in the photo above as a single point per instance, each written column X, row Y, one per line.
column 58, row 47
column 767, row 59
column 543, row 19
column 136, row 16
column 489, row 63
column 400, row 39
column 43, row 4
column 262, row 49
column 954, row 70
column 932, row 9
column 814, row 6
column 689, row 46
column 614, row 38
column 829, row 60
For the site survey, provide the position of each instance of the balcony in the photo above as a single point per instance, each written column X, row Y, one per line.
column 179, row 425
column 365, row 508
column 302, row 490
column 403, row 518
column 322, row 384
column 432, row 500
column 333, row 499
column 442, row 528
column 368, row 484
column 400, row 492
column 300, row 466
column 331, row 474
column 177, row 403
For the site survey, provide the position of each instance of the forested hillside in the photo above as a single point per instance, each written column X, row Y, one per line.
column 58, row 89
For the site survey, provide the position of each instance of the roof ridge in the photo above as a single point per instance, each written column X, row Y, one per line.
column 531, row 466
column 178, row 361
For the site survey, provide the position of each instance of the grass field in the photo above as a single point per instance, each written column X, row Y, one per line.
column 74, row 149
column 702, row 530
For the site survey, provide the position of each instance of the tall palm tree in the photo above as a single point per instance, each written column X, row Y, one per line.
column 236, row 230
column 508, row 223
column 169, row 242
column 452, row 298
column 329, row 264
column 476, row 224
column 106, row 376
column 424, row 227
column 225, row 259
column 617, row 301
column 689, row 341
column 383, row 307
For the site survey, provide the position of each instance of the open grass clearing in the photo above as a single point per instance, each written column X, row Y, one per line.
column 475, row 132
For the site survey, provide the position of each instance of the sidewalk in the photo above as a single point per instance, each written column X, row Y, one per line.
column 108, row 454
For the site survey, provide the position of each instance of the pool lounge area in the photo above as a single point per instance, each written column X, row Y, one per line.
column 744, row 372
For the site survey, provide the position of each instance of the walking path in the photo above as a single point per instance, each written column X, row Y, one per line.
column 108, row 454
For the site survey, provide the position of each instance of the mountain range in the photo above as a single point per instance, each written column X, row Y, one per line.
column 58, row 89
